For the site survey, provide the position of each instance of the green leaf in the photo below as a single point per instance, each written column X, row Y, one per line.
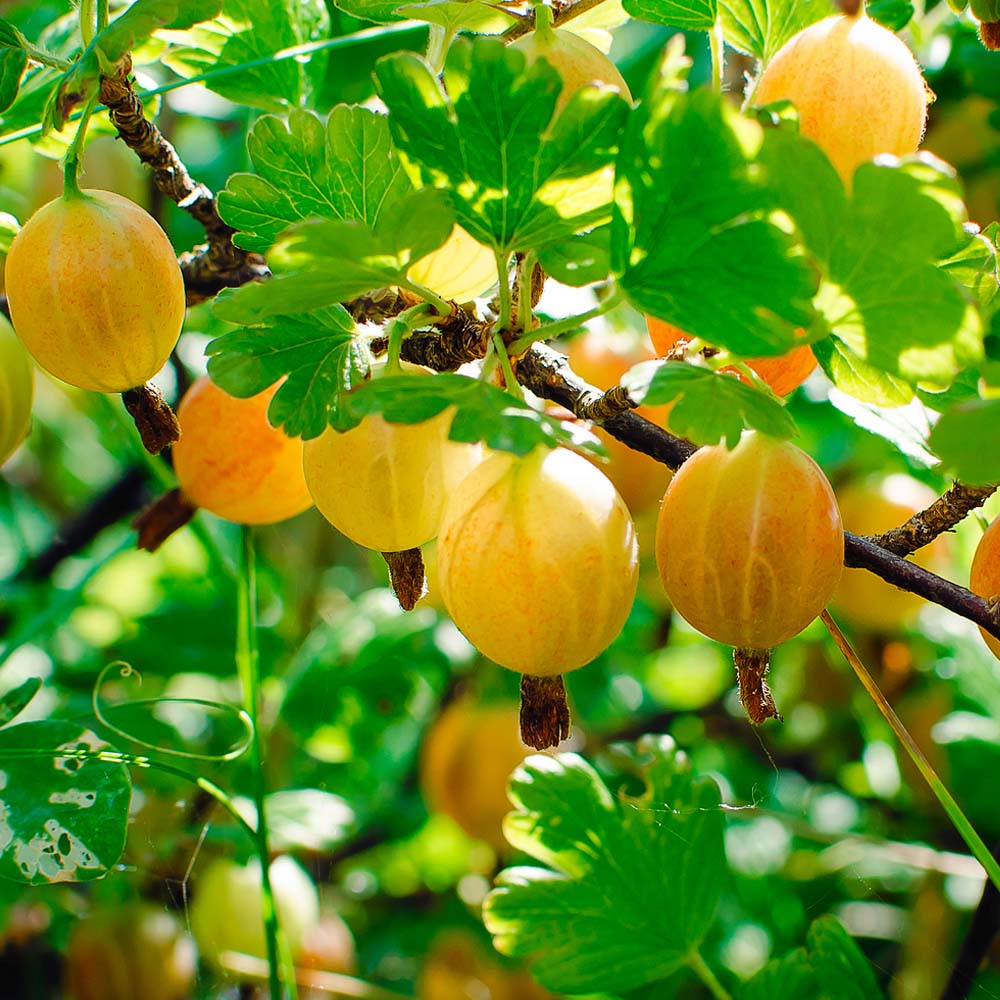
column 883, row 294
column 12, row 66
column 760, row 27
column 318, row 263
column 317, row 351
column 382, row 11
column 632, row 884
column 579, row 260
column 344, row 170
column 853, row 375
column 708, row 406
column 460, row 15
column 484, row 137
column 62, row 819
column 687, row 15
column 967, row 440
column 10, row 35
column 483, row 412
column 251, row 32
column 974, row 263
column 892, row 14
column 192, row 12
column 693, row 238
column 829, row 967
column 14, row 701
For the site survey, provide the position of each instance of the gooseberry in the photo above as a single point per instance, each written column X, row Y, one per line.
column 461, row 269
column 232, row 462
column 750, row 548
column 384, row 485
column 95, row 291
column 858, row 90
column 537, row 561
column 783, row 374
column 227, row 909
column 17, row 381
column 466, row 759
column 869, row 508
column 129, row 952
column 984, row 575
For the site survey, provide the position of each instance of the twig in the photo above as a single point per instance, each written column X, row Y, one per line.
column 216, row 265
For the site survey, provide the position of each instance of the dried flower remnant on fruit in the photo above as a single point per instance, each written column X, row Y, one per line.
column 406, row 574
column 544, row 717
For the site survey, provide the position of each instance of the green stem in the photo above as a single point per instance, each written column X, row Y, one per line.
column 38, row 55
column 561, row 326
column 438, row 40
column 504, row 296
column 707, row 976
column 524, row 292
column 87, row 21
column 441, row 306
column 248, row 667
column 948, row 803
column 718, row 49
column 71, row 164
column 513, row 386
column 543, row 20
column 102, row 14
column 398, row 328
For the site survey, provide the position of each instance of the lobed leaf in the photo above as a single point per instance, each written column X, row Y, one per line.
column 344, row 169
column 516, row 178
column 760, row 27
column 967, row 440
column 687, row 15
column 632, row 883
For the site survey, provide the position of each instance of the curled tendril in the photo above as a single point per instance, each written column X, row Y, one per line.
column 126, row 670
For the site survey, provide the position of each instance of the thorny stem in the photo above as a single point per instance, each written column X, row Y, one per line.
column 948, row 803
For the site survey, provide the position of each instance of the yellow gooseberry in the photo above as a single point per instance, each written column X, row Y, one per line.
column 95, row 291
column 537, row 561
column 857, row 88
column 384, row 485
column 232, row 462
column 461, row 269
column 17, row 380
column 984, row 575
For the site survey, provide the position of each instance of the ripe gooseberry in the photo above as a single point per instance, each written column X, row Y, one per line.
column 858, row 90
column 783, row 374
column 461, row 269
column 128, row 952
column 750, row 548
column 538, row 567
column 17, row 381
column 465, row 761
column 868, row 508
column 95, row 291
column 984, row 575
column 384, row 485
column 227, row 913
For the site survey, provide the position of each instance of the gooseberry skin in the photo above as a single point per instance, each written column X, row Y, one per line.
column 466, row 759
column 984, row 575
column 857, row 88
column 95, row 291
column 749, row 542
column 460, row 269
column 232, row 462
column 537, row 561
column 783, row 374
column 384, row 485
column 17, row 381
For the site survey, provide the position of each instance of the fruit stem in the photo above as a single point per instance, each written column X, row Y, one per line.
column 399, row 328
column 951, row 807
column 87, row 21
column 438, row 40
column 560, row 326
column 543, row 23
column 700, row 967
column 524, row 303
column 503, row 294
column 717, row 46
column 102, row 14
column 71, row 164
column 248, row 667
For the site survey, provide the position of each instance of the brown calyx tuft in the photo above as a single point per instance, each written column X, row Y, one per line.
column 156, row 422
column 851, row 8
column 755, row 696
column 162, row 518
column 989, row 35
column 406, row 573
column 544, row 711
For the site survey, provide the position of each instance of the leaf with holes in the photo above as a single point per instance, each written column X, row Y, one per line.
column 62, row 818
column 631, row 885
